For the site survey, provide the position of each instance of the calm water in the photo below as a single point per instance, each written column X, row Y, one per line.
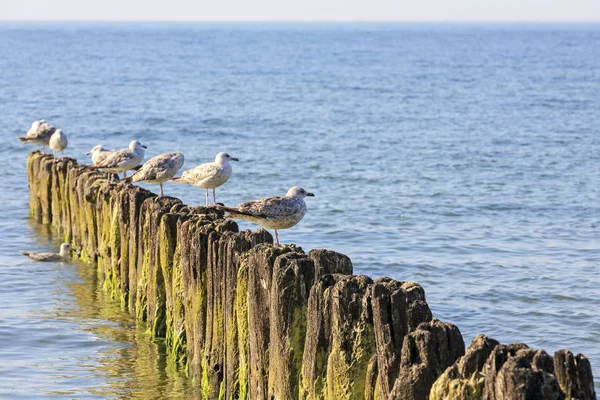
column 465, row 157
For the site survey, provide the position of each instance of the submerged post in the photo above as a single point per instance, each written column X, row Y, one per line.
column 253, row 321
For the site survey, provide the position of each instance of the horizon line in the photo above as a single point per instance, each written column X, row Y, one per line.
column 303, row 21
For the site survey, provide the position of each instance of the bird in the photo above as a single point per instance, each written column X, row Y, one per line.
column 273, row 212
column 58, row 142
column 159, row 169
column 99, row 153
column 209, row 175
column 63, row 255
column 123, row 160
column 39, row 133
column 35, row 126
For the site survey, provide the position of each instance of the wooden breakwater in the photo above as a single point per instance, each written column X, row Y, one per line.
column 248, row 320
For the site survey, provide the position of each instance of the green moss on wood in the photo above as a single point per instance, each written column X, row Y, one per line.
column 143, row 269
column 172, row 267
column 458, row 389
column 241, row 315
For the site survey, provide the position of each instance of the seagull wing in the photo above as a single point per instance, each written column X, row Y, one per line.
column 162, row 166
column 115, row 159
column 198, row 174
column 42, row 256
column 265, row 208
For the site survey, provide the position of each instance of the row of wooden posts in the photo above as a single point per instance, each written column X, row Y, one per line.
column 252, row 321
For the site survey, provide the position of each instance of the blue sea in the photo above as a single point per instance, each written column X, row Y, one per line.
column 465, row 157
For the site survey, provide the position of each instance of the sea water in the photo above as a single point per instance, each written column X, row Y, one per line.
column 461, row 156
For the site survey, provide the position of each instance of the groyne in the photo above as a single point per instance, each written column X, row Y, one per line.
column 248, row 320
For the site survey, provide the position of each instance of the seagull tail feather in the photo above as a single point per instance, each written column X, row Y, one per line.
column 228, row 209
column 235, row 213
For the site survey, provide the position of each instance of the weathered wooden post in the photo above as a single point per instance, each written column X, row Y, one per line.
column 253, row 321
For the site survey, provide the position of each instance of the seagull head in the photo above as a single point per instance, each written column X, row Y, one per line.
column 297, row 191
column 65, row 248
column 96, row 148
column 136, row 146
column 222, row 157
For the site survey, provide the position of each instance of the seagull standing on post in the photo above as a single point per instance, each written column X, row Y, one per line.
column 99, row 154
column 159, row 169
column 123, row 160
column 39, row 133
column 273, row 212
column 58, row 142
column 209, row 175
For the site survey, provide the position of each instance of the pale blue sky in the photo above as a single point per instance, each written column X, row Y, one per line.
column 301, row 10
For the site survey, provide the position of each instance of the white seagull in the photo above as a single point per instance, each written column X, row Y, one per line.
column 123, row 160
column 58, row 142
column 99, row 153
column 209, row 175
column 273, row 212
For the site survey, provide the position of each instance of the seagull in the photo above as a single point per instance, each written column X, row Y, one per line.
column 159, row 169
column 209, row 175
column 35, row 125
column 63, row 255
column 123, row 160
column 273, row 212
column 39, row 133
column 99, row 153
column 58, row 142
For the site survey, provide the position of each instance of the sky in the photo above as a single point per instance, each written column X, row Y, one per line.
column 300, row 10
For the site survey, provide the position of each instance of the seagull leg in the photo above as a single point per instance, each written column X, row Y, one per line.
column 206, row 197
column 214, row 196
column 277, row 239
column 161, row 192
column 124, row 174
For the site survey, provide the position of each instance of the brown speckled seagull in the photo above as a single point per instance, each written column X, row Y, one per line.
column 159, row 169
column 39, row 133
column 63, row 255
column 273, row 212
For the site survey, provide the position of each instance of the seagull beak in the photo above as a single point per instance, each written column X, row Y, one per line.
column 88, row 153
column 234, row 159
column 310, row 194
column 144, row 147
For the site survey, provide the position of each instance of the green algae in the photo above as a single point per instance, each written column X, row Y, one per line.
column 143, row 272
column 112, row 281
column 241, row 315
column 171, row 263
column 297, row 339
column 458, row 389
